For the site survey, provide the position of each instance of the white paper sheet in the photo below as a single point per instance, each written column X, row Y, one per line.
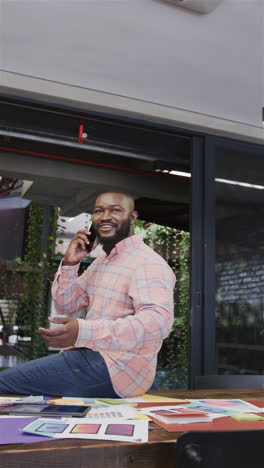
column 80, row 428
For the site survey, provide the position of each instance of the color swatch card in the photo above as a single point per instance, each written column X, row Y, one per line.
column 6, row 401
column 161, row 399
column 213, row 409
column 247, row 417
column 225, row 406
column 176, row 415
column 116, row 412
column 147, row 398
column 102, row 411
column 124, row 431
column 77, row 401
column 114, row 401
column 220, row 408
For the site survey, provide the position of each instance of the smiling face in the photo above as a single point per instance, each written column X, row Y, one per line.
column 113, row 218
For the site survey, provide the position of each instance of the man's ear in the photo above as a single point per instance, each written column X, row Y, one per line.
column 133, row 217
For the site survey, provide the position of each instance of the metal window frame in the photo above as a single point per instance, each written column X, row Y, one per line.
column 202, row 350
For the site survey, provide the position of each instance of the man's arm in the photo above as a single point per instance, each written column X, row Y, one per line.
column 68, row 290
column 68, row 294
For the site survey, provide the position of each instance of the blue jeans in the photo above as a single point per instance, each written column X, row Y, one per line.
column 79, row 372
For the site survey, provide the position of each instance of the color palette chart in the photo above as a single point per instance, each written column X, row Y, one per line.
column 76, row 428
column 121, row 412
column 224, row 407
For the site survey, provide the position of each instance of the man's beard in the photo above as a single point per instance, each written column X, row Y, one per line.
column 119, row 235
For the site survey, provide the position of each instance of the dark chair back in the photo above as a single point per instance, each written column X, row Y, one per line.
column 220, row 449
column 229, row 381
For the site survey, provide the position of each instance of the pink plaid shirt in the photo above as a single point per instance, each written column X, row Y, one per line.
column 130, row 298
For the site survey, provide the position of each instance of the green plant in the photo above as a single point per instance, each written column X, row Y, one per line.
column 32, row 314
column 34, row 275
column 173, row 246
column 38, row 268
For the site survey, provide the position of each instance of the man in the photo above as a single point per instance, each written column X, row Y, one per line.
column 129, row 295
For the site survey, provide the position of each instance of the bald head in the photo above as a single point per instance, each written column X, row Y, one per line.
column 122, row 198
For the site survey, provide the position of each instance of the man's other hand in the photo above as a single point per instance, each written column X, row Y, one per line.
column 61, row 337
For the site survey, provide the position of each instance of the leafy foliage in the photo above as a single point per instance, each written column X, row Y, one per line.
column 32, row 277
column 37, row 265
column 173, row 246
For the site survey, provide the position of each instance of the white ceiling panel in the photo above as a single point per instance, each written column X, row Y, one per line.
column 147, row 50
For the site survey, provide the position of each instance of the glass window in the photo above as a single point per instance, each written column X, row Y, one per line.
column 239, row 262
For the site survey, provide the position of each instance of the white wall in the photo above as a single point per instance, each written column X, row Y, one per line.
column 143, row 49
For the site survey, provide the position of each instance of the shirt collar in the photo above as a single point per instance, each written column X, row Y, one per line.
column 126, row 244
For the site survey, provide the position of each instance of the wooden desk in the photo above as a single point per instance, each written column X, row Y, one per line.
column 159, row 452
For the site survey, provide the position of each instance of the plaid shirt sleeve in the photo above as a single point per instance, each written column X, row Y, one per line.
column 69, row 291
column 151, row 291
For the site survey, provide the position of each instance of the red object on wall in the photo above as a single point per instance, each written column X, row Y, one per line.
column 81, row 139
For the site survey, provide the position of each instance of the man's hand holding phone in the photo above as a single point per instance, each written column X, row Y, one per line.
column 82, row 243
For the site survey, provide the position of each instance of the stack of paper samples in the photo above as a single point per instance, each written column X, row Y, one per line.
column 174, row 415
column 127, row 420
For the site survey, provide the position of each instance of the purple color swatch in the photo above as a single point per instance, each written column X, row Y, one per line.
column 120, row 429
column 11, row 431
